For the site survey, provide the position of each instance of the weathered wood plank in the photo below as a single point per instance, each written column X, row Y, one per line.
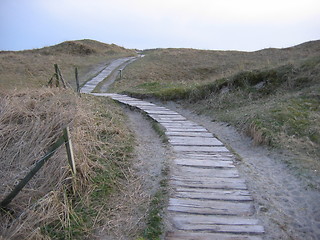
column 178, row 122
column 186, row 129
column 189, row 134
column 193, row 172
column 219, row 228
column 209, row 207
column 212, row 194
column 182, row 235
column 213, row 183
column 210, row 155
column 167, row 117
column 204, row 163
column 218, row 224
column 179, row 125
column 195, row 141
column 162, row 112
column 138, row 103
column 155, row 107
column 187, row 219
column 200, row 149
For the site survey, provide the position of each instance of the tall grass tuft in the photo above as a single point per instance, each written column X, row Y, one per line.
column 30, row 121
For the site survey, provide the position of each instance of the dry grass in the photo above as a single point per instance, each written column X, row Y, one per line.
column 30, row 121
column 272, row 94
column 52, row 202
column 33, row 68
column 171, row 68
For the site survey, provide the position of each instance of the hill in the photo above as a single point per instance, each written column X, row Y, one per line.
column 83, row 47
column 33, row 68
column 272, row 95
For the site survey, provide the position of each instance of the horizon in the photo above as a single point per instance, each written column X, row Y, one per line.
column 74, row 40
column 248, row 25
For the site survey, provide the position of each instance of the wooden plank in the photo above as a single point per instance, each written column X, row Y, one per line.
column 211, row 183
column 137, row 103
column 181, row 126
column 182, row 235
column 218, row 224
column 200, row 149
column 213, row 219
column 204, row 163
column 186, row 129
column 209, row 207
column 162, row 112
column 195, row 141
column 189, row 134
column 178, row 122
column 194, row 172
column 156, row 108
column 167, row 117
column 212, row 194
column 210, row 155
column 216, row 228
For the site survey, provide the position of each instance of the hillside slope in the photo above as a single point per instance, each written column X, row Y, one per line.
column 34, row 68
column 273, row 95
column 171, row 68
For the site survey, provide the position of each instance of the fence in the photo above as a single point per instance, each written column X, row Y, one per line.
column 64, row 139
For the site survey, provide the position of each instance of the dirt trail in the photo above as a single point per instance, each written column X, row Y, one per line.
column 287, row 207
column 130, row 205
column 208, row 198
column 106, row 72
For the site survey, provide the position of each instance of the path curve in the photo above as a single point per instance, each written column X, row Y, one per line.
column 209, row 199
column 106, row 72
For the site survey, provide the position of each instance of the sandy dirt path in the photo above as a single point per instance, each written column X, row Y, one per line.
column 286, row 206
column 89, row 86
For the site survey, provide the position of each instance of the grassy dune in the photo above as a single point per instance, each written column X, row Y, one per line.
column 34, row 68
column 54, row 204
column 272, row 95
column 162, row 70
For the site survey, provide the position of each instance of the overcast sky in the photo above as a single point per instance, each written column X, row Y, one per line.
column 204, row 24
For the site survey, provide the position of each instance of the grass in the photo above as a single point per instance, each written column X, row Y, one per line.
column 34, row 68
column 188, row 67
column 154, row 224
column 282, row 113
column 50, row 205
column 272, row 95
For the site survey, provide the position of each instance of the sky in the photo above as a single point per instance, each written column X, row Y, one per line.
column 245, row 25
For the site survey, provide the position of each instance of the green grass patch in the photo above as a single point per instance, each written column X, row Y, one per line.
column 155, row 227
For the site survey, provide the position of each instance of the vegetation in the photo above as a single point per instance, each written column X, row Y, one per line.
column 272, row 95
column 33, row 68
column 51, row 204
column 54, row 204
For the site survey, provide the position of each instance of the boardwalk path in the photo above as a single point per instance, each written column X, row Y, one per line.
column 106, row 72
column 209, row 199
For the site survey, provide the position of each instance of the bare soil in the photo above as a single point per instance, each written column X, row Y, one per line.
column 129, row 207
column 286, row 206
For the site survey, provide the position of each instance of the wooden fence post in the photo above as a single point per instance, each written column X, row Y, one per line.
column 68, row 144
column 56, row 75
column 59, row 75
column 77, row 81
column 120, row 70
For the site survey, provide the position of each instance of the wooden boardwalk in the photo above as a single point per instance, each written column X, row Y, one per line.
column 209, row 199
